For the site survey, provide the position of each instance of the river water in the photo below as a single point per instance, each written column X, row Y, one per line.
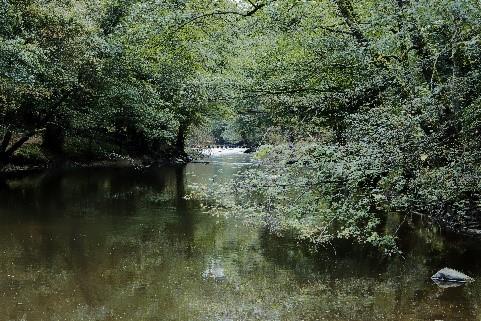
column 123, row 244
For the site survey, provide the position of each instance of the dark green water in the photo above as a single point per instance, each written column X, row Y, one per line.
column 122, row 244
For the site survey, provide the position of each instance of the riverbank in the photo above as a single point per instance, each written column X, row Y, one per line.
column 39, row 161
column 15, row 169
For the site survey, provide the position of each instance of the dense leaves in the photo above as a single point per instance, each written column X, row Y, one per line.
column 110, row 72
column 369, row 107
column 376, row 103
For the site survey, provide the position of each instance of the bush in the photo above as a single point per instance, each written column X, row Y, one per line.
column 30, row 154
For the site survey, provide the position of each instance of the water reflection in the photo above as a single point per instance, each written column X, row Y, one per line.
column 121, row 244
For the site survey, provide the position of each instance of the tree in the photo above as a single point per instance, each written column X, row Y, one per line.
column 375, row 97
column 44, row 51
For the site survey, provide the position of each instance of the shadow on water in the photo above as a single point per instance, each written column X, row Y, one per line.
column 340, row 259
column 105, row 244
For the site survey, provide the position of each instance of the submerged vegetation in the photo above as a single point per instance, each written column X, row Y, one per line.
column 367, row 110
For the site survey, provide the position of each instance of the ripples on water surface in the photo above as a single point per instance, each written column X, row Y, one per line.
column 121, row 244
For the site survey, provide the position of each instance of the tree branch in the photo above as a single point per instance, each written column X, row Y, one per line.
column 19, row 143
column 347, row 12
column 6, row 140
column 255, row 8
column 418, row 45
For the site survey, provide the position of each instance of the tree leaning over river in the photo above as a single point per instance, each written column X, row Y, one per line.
column 370, row 108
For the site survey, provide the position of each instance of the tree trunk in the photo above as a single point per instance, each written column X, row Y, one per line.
column 3, row 147
column 6, row 140
column 53, row 139
column 180, row 142
column 3, row 160
column 6, row 155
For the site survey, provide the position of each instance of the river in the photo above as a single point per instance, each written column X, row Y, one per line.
column 123, row 244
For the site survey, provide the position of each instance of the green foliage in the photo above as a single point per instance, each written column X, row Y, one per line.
column 369, row 107
column 377, row 105
column 31, row 154
column 113, row 71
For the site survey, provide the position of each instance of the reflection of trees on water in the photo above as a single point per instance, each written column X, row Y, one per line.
column 102, row 237
column 65, row 193
column 89, row 245
column 184, row 227
column 42, row 221
column 380, row 288
column 340, row 260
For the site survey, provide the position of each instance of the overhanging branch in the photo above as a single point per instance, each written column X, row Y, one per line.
column 255, row 8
